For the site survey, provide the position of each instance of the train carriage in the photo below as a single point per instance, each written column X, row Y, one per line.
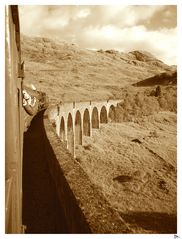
column 18, row 111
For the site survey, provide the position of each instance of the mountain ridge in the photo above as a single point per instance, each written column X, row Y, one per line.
column 68, row 72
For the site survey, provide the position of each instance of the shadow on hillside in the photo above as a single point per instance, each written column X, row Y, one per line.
column 123, row 178
column 152, row 221
column 165, row 78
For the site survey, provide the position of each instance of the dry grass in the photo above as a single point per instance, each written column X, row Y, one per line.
column 129, row 172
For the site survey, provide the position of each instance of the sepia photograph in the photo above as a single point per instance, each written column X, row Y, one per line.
column 91, row 119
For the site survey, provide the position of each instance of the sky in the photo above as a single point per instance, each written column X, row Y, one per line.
column 124, row 28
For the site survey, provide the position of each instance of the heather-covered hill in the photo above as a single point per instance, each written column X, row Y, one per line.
column 67, row 72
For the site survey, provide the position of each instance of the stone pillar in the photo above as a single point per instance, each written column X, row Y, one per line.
column 66, row 132
column 57, row 120
column 99, row 119
column 73, row 117
column 90, row 116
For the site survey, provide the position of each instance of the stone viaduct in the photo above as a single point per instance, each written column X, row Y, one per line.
column 75, row 119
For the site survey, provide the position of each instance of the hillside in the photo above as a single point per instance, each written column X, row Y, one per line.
column 132, row 163
column 69, row 73
column 165, row 78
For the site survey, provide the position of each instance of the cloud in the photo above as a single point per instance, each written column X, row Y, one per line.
column 30, row 19
column 161, row 43
column 124, row 28
column 120, row 15
column 83, row 13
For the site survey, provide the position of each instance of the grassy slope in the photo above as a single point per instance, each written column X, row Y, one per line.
column 67, row 72
column 138, row 178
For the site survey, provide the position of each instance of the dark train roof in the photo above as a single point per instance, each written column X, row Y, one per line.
column 15, row 16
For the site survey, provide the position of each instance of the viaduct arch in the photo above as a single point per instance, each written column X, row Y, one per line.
column 86, row 123
column 103, row 115
column 78, row 128
column 112, row 114
column 95, row 118
column 75, row 119
column 62, row 129
column 70, row 134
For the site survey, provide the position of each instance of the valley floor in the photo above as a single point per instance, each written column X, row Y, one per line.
column 134, row 165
